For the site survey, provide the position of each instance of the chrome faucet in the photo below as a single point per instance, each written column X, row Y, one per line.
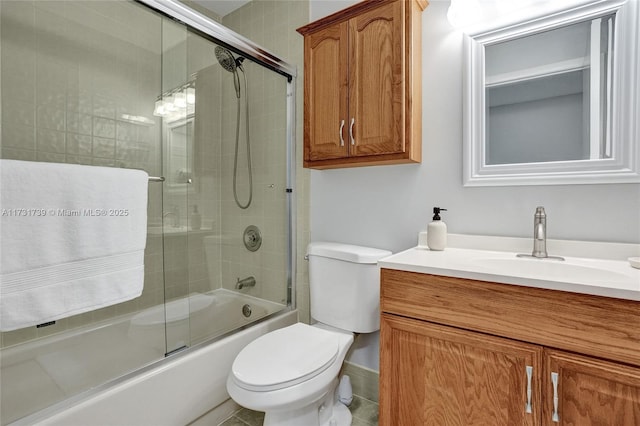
column 246, row 282
column 539, row 233
column 540, row 237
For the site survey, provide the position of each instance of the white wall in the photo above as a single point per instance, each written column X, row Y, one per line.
column 386, row 206
column 321, row 8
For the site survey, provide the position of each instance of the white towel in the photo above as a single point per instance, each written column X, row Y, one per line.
column 72, row 239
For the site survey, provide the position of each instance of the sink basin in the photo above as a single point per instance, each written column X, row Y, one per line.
column 583, row 271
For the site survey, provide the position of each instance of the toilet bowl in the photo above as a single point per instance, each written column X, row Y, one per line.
column 292, row 373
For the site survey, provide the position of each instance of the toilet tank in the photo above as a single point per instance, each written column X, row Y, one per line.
column 344, row 282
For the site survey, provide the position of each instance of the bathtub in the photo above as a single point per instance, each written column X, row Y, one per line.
column 175, row 390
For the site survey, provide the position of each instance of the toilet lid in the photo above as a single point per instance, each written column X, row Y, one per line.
column 285, row 357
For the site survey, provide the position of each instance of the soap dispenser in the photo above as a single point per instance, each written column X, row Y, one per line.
column 437, row 231
column 196, row 219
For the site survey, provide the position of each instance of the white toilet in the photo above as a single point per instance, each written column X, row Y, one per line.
column 292, row 373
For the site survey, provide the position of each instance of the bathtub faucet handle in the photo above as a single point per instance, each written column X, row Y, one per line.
column 246, row 282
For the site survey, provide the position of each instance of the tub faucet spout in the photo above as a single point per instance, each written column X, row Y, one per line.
column 246, row 282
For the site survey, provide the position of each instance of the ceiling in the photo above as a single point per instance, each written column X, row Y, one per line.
column 222, row 7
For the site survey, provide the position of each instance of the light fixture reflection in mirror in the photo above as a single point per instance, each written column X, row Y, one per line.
column 177, row 103
column 554, row 100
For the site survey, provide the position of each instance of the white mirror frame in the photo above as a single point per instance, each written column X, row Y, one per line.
column 623, row 167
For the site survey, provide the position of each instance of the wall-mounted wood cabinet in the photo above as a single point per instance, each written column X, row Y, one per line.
column 362, row 85
column 464, row 353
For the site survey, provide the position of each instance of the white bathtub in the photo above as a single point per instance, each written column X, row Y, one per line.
column 174, row 391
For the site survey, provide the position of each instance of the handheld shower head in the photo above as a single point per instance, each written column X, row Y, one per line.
column 226, row 59
column 231, row 64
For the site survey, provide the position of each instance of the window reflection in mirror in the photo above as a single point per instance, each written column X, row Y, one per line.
column 547, row 95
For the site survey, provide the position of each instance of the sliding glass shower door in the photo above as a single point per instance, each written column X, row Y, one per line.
column 225, row 212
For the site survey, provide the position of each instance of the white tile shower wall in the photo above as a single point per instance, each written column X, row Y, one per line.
column 69, row 81
column 69, row 71
column 271, row 24
column 207, row 137
column 267, row 120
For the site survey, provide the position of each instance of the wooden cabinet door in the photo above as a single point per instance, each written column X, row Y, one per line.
column 590, row 392
column 376, row 83
column 325, row 102
column 437, row 375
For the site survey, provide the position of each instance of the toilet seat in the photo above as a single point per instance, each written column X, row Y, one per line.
column 285, row 357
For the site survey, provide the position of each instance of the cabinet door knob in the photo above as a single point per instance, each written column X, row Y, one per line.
column 554, row 380
column 353, row 141
column 529, row 370
column 341, row 138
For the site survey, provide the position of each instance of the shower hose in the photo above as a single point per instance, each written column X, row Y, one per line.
column 235, row 161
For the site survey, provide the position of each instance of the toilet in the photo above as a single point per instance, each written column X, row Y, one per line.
column 292, row 373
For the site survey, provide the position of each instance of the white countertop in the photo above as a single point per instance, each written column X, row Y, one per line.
column 600, row 277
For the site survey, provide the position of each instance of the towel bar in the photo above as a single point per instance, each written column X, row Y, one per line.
column 156, row 178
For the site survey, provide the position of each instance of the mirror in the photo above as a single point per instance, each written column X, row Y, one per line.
column 179, row 154
column 553, row 100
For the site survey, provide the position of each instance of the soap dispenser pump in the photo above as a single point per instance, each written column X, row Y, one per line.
column 437, row 231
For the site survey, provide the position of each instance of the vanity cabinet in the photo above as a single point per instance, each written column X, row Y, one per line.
column 362, row 85
column 465, row 352
column 436, row 375
column 591, row 391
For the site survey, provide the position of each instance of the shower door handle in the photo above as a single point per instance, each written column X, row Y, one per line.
column 341, row 128
column 353, row 141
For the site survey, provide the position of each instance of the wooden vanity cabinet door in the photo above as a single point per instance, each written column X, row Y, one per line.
column 591, row 392
column 436, row 375
column 376, row 81
column 325, row 104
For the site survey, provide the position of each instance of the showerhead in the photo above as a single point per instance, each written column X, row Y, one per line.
column 231, row 64
column 226, row 59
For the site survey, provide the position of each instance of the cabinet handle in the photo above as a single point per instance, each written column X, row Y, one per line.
column 554, row 380
column 353, row 141
column 341, row 138
column 529, row 369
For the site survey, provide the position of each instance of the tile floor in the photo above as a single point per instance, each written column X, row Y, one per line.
column 365, row 413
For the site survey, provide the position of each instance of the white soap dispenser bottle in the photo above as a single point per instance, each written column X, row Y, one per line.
column 437, row 231
column 196, row 219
